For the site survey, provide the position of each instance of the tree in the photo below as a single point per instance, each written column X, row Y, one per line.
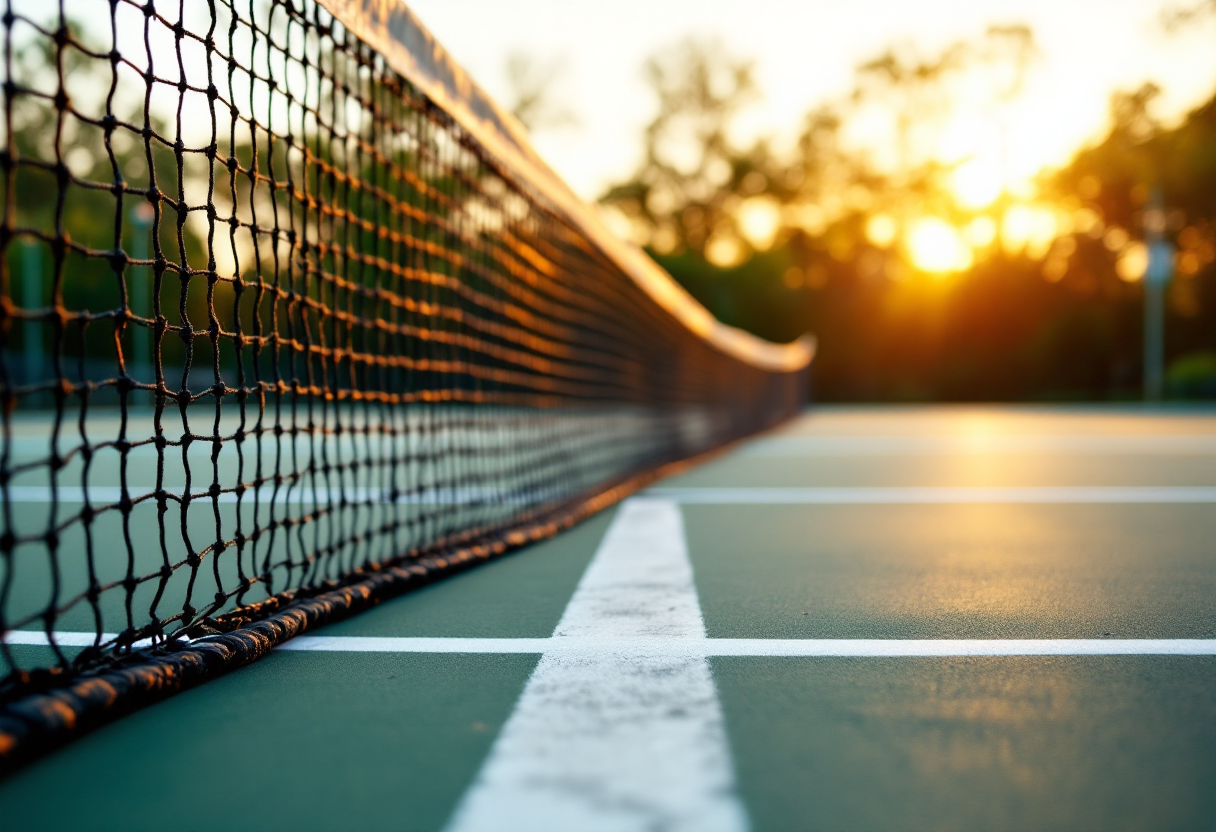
column 531, row 98
column 685, row 193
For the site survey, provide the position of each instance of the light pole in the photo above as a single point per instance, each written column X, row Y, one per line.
column 1156, row 278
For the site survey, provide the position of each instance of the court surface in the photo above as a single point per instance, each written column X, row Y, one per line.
column 906, row 618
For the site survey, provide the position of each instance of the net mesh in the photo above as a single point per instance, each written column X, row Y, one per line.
column 271, row 319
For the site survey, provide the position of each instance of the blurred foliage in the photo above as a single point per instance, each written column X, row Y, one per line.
column 816, row 236
column 531, row 100
column 65, row 209
column 1042, row 300
column 1193, row 376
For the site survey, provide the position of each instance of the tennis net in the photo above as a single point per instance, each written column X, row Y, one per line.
column 293, row 319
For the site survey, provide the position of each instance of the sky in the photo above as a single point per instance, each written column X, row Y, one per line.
column 805, row 54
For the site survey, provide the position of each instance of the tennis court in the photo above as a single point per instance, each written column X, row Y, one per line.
column 818, row 550
column 298, row 329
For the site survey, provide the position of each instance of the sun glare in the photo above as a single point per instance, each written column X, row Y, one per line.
column 1029, row 228
column 977, row 182
column 1132, row 262
column 980, row 232
column 759, row 219
column 881, row 230
column 725, row 252
column 937, row 247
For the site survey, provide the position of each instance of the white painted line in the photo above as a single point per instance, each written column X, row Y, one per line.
column 941, row 495
column 887, row 445
column 709, row 647
column 38, row 638
column 616, row 741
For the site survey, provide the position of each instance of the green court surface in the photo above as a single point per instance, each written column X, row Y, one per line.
column 378, row 739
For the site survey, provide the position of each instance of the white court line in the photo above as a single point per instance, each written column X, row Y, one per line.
column 708, row 647
column 892, row 445
column 38, row 638
column 628, row 739
column 941, row 495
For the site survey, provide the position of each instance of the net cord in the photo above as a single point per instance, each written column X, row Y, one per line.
column 410, row 49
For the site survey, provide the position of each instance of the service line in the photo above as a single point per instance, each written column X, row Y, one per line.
column 1164, row 444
